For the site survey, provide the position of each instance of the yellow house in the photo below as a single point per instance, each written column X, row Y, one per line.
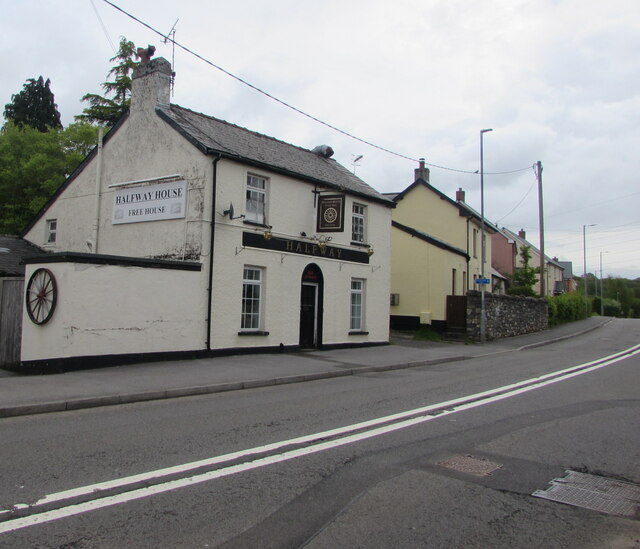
column 435, row 252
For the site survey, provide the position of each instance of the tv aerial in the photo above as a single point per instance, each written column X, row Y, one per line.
column 355, row 160
column 171, row 37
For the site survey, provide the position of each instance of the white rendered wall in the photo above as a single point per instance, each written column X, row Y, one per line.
column 110, row 310
column 291, row 211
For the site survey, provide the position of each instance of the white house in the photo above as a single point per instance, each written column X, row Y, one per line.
column 184, row 235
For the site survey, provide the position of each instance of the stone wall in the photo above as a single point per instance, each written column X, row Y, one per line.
column 506, row 315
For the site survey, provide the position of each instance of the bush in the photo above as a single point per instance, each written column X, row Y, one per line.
column 612, row 307
column 553, row 311
column 524, row 291
column 566, row 308
column 427, row 333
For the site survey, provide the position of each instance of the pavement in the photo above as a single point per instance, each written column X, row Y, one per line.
column 26, row 395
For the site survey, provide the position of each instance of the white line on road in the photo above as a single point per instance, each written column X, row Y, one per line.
column 377, row 427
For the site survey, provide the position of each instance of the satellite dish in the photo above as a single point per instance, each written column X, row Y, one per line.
column 229, row 212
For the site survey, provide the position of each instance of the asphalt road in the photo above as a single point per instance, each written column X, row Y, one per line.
column 258, row 468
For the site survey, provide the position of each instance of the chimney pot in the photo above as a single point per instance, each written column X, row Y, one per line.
column 422, row 172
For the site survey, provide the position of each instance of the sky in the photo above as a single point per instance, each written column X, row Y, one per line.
column 558, row 81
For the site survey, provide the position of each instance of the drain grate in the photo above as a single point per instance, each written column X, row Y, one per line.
column 606, row 495
column 470, row 464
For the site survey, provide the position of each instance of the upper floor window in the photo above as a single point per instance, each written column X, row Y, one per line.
column 358, row 223
column 51, row 231
column 475, row 242
column 256, row 201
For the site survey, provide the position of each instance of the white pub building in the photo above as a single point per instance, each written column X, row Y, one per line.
column 183, row 235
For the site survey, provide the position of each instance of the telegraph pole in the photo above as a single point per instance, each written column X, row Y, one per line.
column 543, row 288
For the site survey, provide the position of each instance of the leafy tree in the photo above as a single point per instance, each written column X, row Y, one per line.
column 33, row 165
column 622, row 291
column 525, row 277
column 34, row 106
column 107, row 111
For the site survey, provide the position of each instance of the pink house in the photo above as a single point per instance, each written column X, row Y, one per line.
column 503, row 253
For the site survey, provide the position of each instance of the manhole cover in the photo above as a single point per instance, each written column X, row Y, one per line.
column 471, row 465
column 606, row 495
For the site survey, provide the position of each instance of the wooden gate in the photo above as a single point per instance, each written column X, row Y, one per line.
column 11, row 296
column 456, row 311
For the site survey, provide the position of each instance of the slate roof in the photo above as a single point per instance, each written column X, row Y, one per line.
column 426, row 237
column 12, row 250
column 464, row 209
column 568, row 269
column 215, row 136
column 468, row 211
column 523, row 242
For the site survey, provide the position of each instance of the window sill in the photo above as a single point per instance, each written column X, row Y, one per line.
column 358, row 333
column 255, row 223
column 253, row 333
column 362, row 244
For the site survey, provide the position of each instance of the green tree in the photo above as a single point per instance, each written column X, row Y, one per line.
column 621, row 290
column 33, row 165
column 107, row 111
column 525, row 277
column 34, row 106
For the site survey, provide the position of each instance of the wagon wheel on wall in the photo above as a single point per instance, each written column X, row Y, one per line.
column 42, row 294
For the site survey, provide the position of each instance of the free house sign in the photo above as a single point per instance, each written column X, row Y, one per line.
column 150, row 202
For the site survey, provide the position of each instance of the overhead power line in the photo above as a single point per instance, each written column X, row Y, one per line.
column 104, row 29
column 289, row 106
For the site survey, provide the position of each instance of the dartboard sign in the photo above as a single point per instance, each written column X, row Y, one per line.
column 330, row 214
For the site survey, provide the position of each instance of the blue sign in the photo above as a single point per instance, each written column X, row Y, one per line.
column 483, row 281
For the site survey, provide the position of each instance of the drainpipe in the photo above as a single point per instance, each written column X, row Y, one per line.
column 468, row 258
column 214, row 181
column 94, row 235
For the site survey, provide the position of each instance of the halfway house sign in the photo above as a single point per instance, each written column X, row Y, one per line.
column 150, row 202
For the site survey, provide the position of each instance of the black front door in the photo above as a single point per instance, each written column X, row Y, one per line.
column 456, row 311
column 308, row 316
column 311, row 307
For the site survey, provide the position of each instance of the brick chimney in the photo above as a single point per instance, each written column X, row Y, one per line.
column 460, row 195
column 422, row 172
column 150, row 85
column 522, row 234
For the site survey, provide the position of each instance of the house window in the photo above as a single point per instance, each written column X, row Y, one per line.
column 357, row 223
column 475, row 242
column 52, row 228
column 453, row 282
column 252, row 298
column 255, row 207
column 357, row 304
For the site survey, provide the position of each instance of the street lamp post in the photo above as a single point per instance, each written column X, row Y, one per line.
column 483, row 326
column 584, row 257
column 601, row 293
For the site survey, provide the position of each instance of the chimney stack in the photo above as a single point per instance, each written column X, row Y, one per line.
column 522, row 234
column 150, row 85
column 460, row 195
column 422, row 172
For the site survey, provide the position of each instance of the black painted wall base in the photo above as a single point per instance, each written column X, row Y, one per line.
column 67, row 364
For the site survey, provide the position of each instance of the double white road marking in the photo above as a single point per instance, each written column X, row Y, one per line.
column 59, row 505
